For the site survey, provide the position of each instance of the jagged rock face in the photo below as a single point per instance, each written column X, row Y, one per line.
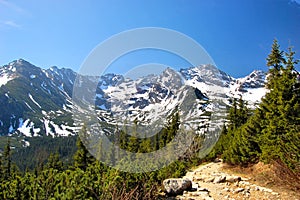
column 31, row 96
column 255, row 80
column 36, row 101
column 208, row 74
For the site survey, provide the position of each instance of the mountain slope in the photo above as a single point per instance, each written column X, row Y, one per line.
column 32, row 97
column 36, row 101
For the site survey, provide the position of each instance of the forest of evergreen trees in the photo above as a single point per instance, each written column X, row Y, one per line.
column 87, row 178
column 271, row 132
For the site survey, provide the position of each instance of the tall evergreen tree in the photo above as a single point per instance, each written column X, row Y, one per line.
column 237, row 144
column 133, row 141
column 7, row 160
column 1, row 168
column 275, row 61
column 280, row 107
column 82, row 157
column 54, row 162
column 233, row 115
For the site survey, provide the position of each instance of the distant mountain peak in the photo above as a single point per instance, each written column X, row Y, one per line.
column 43, row 97
column 19, row 62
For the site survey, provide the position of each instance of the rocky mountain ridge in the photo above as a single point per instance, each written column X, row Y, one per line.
column 37, row 102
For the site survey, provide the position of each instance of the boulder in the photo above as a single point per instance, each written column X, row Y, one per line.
column 219, row 179
column 233, row 179
column 176, row 186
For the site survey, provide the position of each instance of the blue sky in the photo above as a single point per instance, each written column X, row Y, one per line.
column 237, row 34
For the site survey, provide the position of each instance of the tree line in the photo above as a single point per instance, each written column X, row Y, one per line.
column 87, row 178
column 271, row 132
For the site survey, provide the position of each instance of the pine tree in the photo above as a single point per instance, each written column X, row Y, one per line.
column 290, row 113
column 173, row 126
column 221, row 144
column 133, row 142
column 279, row 137
column 275, row 61
column 1, row 168
column 244, row 112
column 123, row 140
column 235, row 143
column 54, row 162
column 238, row 113
column 111, row 155
column 82, row 157
column 7, row 160
column 145, row 146
column 233, row 115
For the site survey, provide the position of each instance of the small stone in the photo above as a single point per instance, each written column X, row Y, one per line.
column 263, row 189
column 203, row 189
column 205, row 192
column 245, row 179
column 274, row 193
column 195, row 194
column 197, row 173
column 200, row 193
column 219, row 179
column 244, row 183
column 247, row 189
column 238, row 190
column 209, row 180
column 226, row 189
column 232, row 179
column 247, row 194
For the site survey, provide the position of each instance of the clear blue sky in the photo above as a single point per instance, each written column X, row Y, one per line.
column 236, row 33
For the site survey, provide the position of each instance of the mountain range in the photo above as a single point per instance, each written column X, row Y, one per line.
column 37, row 102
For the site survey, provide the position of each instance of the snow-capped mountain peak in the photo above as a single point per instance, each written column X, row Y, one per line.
column 251, row 87
column 37, row 101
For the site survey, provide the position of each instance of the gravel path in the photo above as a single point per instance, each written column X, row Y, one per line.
column 210, row 181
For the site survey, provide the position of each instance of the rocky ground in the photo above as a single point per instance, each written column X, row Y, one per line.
column 217, row 181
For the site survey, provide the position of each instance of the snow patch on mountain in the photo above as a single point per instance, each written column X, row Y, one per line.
column 251, row 88
column 32, row 99
column 4, row 78
column 25, row 143
column 54, row 130
column 10, row 129
column 27, row 129
column 28, row 106
column 254, row 94
column 32, row 76
column 44, row 86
